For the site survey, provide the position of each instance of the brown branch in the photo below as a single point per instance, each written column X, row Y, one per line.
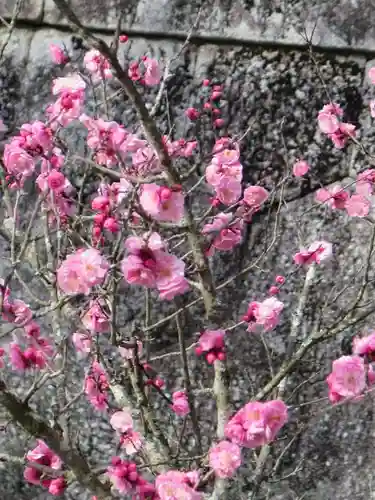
column 35, row 426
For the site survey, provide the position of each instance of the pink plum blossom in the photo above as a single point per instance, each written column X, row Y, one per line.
column 371, row 74
column 347, row 379
column 122, row 421
column 95, row 319
column 372, row 108
column 150, row 266
column 211, row 339
column 72, row 83
column 43, row 455
column 58, row 55
column 300, row 168
column 96, row 386
column 152, row 74
column 365, row 182
column 364, row 345
column 335, row 197
column 263, row 315
column 328, row 118
column 358, row 206
column 225, row 458
column 125, row 479
column 82, row 270
column 318, row 252
column 162, row 203
column 342, row 134
column 180, row 403
column 257, row 424
column 226, row 232
column 82, row 342
column 255, row 196
column 131, row 441
column 228, row 190
column 175, row 484
column 97, row 65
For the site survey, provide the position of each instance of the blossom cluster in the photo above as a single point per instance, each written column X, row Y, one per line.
column 150, row 265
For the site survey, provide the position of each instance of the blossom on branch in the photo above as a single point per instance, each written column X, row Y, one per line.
column 225, row 458
column 257, row 424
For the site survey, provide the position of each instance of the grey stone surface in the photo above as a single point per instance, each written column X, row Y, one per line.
column 265, row 88
column 339, row 23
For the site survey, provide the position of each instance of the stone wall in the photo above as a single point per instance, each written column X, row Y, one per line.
column 256, row 50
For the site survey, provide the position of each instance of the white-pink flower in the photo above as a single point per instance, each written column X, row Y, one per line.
column 358, row 206
column 225, row 458
column 263, row 315
column 347, row 379
column 162, row 203
column 122, row 421
column 300, row 168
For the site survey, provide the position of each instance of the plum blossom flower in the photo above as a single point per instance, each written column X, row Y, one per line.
column 96, row 386
column 347, row 379
column 95, row 319
column 180, row 403
column 82, row 270
column 263, row 315
column 257, row 423
column 371, row 74
column 358, row 206
column 125, row 478
column 152, row 73
column 226, row 230
column 225, row 458
column 162, row 203
column 97, row 65
column 365, row 182
column 42, row 455
column 82, row 342
column 300, row 168
column 73, row 83
column 318, row 252
column 131, row 441
column 175, row 484
column 228, row 190
column 364, row 345
column 58, row 55
column 122, row 421
column 17, row 311
column 335, row 197
column 150, row 266
column 328, row 118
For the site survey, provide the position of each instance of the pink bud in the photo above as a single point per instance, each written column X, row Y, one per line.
column 123, row 38
column 55, row 180
column 211, row 357
column 158, row 382
column 57, row 54
column 100, row 203
column 111, row 225
column 206, row 82
column 274, row 290
column 219, row 122
column 192, row 113
column 165, row 194
column 280, row 280
column 96, row 231
column 99, row 219
column 207, row 105
column 216, row 95
column 221, row 356
column 216, row 112
column 133, row 476
column 198, row 351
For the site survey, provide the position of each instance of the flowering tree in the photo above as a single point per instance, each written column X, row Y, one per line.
column 140, row 230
